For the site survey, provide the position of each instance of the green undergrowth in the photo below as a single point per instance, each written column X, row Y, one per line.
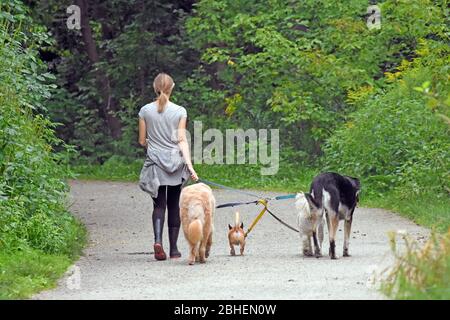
column 26, row 272
column 420, row 272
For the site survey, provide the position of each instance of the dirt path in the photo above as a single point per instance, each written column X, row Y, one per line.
column 118, row 263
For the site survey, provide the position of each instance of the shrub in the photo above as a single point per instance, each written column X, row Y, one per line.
column 421, row 272
column 395, row 139
column 32, row 174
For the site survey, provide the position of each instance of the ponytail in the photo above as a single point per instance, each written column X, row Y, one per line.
column 162, row 101
column 163, row 85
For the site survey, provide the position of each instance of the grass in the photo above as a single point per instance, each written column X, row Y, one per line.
column 110, row 170
column 236, row 176
column 420, row 272
column 26, row 271
column 426, row 210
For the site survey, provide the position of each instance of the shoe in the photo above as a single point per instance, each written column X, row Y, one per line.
column 157, row 247
column 159, row 252
column 173, row 238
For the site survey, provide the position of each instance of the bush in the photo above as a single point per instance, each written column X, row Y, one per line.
column 395, row 139
column 32, row 175
column 422, row 272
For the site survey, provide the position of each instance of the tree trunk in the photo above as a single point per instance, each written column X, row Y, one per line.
column 108, row 104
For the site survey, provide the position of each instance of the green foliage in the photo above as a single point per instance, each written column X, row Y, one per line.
column 369, row 103
column 420, row 271
column 374, row 101
column 424, row 209
column 32, row 188
column 26, row 272
column 288, row 178
column 134, row 41
column 299, row 66
column 114, row 169
column 394, row 140
column 38, row 237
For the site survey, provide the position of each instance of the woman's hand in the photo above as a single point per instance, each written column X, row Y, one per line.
column 193, row 173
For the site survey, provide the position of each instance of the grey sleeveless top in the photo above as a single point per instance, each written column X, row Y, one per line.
column 164, row 164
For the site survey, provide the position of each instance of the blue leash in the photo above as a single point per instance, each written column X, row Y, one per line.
column 234, row 204
column 288, row 196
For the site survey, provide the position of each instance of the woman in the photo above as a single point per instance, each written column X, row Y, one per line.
column 168, row 165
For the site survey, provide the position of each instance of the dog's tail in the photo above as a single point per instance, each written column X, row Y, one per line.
column 195, row 228
column 301, row 203
column 195, row 231
column 236, row 219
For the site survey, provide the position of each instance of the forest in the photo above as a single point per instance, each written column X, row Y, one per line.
column 372, row 103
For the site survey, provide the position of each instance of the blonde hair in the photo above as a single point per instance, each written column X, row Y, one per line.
column 163, row 85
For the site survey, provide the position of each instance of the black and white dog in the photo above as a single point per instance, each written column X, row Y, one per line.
column 336, row 196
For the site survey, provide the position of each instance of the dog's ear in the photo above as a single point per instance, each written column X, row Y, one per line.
column 354, row 182
column 230, row 227
column 312, row 203
column 242, row 225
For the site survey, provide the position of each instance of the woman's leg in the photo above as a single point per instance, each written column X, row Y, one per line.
column 159, row 212
column 173, row 208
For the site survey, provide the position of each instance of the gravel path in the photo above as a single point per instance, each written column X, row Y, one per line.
column 118, row 262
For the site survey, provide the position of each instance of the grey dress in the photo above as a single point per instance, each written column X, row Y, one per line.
column 164, row 164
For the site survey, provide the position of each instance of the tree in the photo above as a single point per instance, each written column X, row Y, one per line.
column 125, row 44
column 108, row 102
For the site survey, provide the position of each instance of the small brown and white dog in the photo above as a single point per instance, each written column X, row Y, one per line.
column 236, row 235
column 197, row 206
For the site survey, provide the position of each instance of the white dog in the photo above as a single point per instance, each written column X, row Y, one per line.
column 310, row 221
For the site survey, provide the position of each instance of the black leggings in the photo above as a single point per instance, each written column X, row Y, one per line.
column 168, row 196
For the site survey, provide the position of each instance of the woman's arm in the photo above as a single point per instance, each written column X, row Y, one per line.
column 142, row 133
column 184, row 147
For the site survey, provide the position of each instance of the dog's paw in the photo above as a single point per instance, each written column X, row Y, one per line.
column 308, row 254
column 332, row 254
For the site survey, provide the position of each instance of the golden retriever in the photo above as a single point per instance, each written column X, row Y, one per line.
column 197, row 206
